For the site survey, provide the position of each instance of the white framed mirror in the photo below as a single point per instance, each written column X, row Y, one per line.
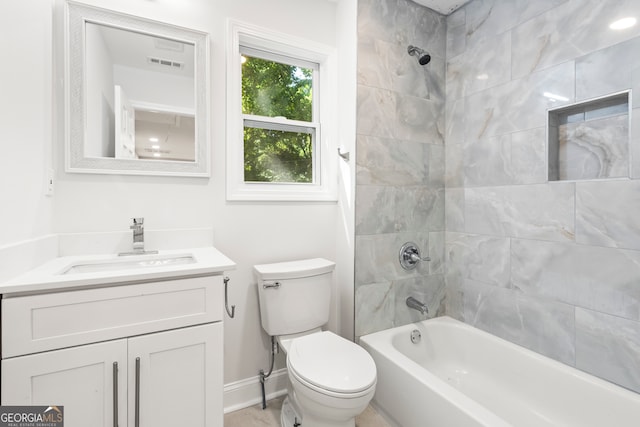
column 136, row 98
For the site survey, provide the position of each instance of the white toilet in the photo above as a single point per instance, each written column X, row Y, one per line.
column 331, row 379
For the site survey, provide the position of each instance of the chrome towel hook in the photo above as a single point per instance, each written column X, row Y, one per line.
column 345, row 156
column 231, row 313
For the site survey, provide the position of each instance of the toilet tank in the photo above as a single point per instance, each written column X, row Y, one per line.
column 294, row 296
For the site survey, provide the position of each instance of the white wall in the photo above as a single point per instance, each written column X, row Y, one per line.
column 25, row 119
column 347, row 14
column 142, row 85
column 249, row 233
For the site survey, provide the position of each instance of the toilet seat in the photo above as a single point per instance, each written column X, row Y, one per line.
column 331, row 365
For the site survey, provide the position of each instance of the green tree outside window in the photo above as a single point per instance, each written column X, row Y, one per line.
column 273, row 89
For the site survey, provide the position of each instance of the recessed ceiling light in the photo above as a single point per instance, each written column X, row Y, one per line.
column 623, row 23
column 153, row 139
column 155, row 147
column 156, row 154
column 483, row 76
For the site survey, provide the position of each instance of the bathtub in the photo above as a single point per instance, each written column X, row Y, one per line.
column 460, row 376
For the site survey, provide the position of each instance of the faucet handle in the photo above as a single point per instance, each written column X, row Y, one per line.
column 409, row 256
column 138, row 238
column 137, row 223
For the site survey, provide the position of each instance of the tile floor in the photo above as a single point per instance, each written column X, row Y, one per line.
column 254, row 416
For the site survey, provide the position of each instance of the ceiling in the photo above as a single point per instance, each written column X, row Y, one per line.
column 132, row 49
column 443, row 6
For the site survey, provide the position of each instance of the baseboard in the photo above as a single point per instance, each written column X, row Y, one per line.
column 244, row 393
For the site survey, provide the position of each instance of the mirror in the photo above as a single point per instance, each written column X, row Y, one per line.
column 136, row 100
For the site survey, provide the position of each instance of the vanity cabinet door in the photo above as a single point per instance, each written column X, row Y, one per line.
column 81, row 379
column 179, row 378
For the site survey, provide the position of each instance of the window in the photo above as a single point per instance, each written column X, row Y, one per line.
column 278, row 109
column 279, row 127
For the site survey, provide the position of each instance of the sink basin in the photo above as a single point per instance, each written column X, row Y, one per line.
column 130, row 263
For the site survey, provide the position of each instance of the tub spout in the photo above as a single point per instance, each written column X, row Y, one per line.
column 417, row 305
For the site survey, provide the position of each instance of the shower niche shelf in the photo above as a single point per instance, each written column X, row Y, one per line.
column 590, row 140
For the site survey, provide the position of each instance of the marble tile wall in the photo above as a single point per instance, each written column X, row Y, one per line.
column 594, row 149
column 400, row 162
column 590, row 140
column 552, row 266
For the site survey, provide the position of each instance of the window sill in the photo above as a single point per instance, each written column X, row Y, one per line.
column 285, row 193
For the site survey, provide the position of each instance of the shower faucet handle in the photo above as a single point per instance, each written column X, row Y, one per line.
column 410, row 256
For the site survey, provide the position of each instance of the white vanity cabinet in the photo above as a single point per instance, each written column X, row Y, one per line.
column 131, row 355
column 79, row 378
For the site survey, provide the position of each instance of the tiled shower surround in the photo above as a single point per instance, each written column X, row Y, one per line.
column 400, row 161
column 550, row 265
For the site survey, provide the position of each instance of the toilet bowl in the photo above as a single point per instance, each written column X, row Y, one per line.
column 333, row 380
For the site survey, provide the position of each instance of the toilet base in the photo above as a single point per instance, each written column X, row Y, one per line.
column 289, row 417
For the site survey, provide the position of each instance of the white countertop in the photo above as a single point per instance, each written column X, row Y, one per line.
column 50, row 277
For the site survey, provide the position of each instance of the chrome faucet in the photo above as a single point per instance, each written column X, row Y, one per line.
column 417, row 305
column 138, row 239
column 138, row 234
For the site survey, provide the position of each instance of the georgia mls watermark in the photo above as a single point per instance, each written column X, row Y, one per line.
column 31, row 416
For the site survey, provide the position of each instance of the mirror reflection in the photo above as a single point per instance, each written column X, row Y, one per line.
column 139, row 95
column 136, row 94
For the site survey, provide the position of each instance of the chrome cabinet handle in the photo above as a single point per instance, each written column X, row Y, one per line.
column 137, row 408
column 274, row 285
column 115, row 394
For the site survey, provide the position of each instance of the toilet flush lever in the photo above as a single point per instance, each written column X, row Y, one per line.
column 274, row 285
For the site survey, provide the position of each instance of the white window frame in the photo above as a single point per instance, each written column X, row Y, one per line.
column 324, row 187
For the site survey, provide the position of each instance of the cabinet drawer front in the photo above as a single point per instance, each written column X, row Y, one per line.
column 45, row 322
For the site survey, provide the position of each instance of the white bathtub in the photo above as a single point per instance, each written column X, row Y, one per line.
column 460, row 376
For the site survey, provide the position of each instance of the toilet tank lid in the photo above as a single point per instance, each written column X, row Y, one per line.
column 294, row 269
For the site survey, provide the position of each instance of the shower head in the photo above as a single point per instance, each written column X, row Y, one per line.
column 421, row 54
